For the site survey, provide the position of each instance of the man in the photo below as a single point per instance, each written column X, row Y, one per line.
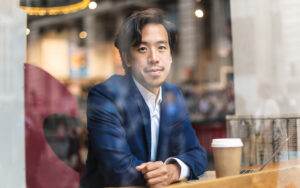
column 139, row 126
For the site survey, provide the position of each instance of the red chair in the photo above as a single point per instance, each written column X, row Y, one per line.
column 44, row 95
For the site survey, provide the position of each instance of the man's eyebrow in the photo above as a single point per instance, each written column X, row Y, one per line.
column 158, row 42
column 162, row 41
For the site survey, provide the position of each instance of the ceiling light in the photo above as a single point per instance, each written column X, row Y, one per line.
column 27, row 31
column 199, row 13
column 92, row 5
column 51, row 7
column 83, row 34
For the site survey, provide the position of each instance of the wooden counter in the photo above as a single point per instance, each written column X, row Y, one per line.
column 283, row 174
column 275, row 175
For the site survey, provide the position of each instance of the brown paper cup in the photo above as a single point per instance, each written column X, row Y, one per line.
column 227, row 154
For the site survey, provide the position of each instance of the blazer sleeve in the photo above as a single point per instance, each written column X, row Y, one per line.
column 107, row 138
column 187, row 147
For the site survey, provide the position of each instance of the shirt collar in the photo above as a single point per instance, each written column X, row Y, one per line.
column 151, row 100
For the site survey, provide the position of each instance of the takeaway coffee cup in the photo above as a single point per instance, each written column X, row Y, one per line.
column 227, row 154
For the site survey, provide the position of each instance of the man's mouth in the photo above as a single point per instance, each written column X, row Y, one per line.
column 154, row 70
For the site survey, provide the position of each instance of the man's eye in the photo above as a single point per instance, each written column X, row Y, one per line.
column 142, row 49
column 162, row 48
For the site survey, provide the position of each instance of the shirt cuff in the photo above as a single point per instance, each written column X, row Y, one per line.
column 184, row 169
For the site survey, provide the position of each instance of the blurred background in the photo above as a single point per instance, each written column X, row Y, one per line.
column 237, row 63
column 77, row 49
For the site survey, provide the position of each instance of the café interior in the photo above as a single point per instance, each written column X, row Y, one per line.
column 237, row 63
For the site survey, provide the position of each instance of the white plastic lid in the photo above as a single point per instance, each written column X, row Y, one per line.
column 226, row 142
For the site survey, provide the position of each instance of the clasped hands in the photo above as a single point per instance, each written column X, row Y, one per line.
column 159, row 174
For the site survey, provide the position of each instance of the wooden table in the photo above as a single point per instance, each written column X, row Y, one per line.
column 283, row 174
column 275, row 175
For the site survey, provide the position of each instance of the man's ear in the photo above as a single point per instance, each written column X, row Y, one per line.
column 126, row 60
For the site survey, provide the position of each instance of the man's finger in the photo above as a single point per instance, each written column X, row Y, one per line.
column 160, row 180
column 140, row 167
column 150, row 166
column 156, row 172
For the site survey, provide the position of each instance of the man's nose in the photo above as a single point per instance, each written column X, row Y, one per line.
column 153, row 56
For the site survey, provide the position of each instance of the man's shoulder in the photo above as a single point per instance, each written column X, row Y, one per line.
column 115, row 80
column 112, row 86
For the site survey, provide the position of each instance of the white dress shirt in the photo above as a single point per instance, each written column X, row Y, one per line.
column 153, row 102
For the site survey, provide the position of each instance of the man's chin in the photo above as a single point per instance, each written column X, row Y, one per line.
column 156, row 84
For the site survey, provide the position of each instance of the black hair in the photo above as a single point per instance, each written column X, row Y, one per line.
column 130, row 34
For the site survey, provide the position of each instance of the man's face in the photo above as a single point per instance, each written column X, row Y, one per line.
column 150, row 62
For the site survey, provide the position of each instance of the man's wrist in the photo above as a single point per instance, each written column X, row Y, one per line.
column 184, row 171
column 173, row 172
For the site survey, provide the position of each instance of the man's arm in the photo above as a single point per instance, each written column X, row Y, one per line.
column 110, row 147
column 190, row 152
column 183, row 140
column 188, row 148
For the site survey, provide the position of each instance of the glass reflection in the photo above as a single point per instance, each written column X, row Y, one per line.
column 68, row 139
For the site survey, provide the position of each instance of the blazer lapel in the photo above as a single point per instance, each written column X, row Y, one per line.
column 164, row 130
column 145, row 114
